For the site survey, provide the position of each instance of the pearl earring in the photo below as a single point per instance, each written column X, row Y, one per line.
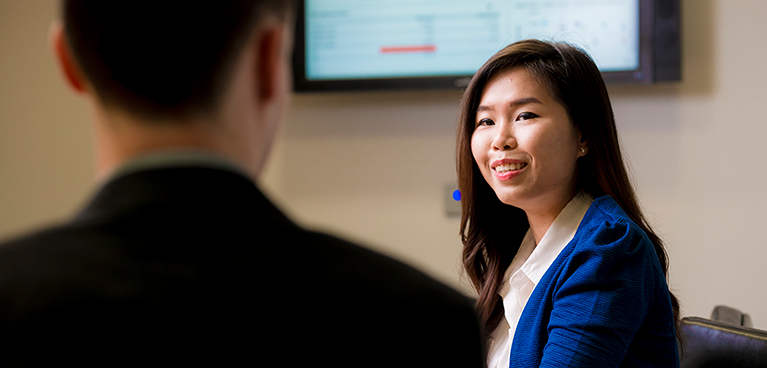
column 583, row 150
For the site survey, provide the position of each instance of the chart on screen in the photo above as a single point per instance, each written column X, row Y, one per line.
column 347, row 39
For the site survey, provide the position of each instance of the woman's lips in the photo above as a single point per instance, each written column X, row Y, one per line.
column 507, row 168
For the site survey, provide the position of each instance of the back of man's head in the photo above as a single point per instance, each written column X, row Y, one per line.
column 162, row 58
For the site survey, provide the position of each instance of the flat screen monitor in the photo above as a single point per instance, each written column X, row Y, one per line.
column 399, row 44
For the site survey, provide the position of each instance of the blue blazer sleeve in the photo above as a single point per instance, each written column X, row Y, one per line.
column 603, row 303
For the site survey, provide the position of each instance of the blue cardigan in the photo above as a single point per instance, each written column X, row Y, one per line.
column 604, row 302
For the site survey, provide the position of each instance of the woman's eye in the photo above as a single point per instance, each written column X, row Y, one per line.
column 485, row 121
column 526, row 115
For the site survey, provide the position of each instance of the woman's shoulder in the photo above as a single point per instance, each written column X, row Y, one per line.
column 608, row 246
column 606, row 226
column 606, row 207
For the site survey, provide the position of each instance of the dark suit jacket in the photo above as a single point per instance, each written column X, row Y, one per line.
column 196, row 265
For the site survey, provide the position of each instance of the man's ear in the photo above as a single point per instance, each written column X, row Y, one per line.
column 269, row 62
column 63, row 55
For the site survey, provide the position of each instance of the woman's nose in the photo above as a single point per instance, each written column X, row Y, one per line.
column 504, row 140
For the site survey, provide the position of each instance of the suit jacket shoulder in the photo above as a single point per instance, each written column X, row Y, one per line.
column 189, row 264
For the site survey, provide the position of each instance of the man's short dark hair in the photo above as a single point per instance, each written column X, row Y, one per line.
column 162, row 57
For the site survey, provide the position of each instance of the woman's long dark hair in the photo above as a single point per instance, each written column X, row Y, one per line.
column 572, row 78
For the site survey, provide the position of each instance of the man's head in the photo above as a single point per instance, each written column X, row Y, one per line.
column 162, row 57
column 169, row 62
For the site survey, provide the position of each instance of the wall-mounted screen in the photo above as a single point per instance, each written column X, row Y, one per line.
column 374, row 44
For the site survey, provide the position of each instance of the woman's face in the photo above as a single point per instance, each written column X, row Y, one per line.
column 524, row 143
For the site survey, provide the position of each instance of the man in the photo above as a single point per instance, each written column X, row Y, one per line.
column 178, row 257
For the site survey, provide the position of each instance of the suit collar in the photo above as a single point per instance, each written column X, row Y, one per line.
column 179, row 157
column 175, row 185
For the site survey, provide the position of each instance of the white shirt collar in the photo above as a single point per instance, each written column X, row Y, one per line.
column 559, row 234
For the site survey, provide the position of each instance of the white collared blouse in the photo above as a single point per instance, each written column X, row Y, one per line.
column 526, row 270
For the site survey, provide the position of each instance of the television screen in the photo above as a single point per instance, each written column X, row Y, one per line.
column 352, row 44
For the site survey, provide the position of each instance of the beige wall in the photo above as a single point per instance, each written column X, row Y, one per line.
column 45, row 145
column 372, row 166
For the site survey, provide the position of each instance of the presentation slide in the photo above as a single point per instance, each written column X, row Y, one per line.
column 352, row 39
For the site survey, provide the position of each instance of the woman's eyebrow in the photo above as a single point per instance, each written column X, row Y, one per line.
column 517, row 102
column 525, row 101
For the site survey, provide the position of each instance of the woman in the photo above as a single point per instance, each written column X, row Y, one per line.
column 568, row 270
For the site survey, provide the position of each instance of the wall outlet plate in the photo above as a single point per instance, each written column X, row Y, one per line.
column 452, row 206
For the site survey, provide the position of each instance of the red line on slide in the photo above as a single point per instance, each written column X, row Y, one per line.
column 402, row 49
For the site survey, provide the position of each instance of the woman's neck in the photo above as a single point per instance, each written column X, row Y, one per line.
column 540, row 220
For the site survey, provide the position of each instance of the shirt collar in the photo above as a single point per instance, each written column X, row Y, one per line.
column 176, row 158
column 559, row 234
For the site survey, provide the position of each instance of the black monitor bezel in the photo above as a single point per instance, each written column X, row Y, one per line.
column 645, row 74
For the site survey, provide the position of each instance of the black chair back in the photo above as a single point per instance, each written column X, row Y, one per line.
column 712, row 344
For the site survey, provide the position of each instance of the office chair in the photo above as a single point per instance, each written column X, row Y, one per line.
column 714, row 344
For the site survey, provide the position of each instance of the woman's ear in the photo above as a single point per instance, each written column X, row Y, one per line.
column 584, row 145
column 63, row 55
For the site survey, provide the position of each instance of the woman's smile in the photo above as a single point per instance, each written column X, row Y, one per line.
column 506, row 169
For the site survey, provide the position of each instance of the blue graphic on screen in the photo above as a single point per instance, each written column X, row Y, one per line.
column 354, row 39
